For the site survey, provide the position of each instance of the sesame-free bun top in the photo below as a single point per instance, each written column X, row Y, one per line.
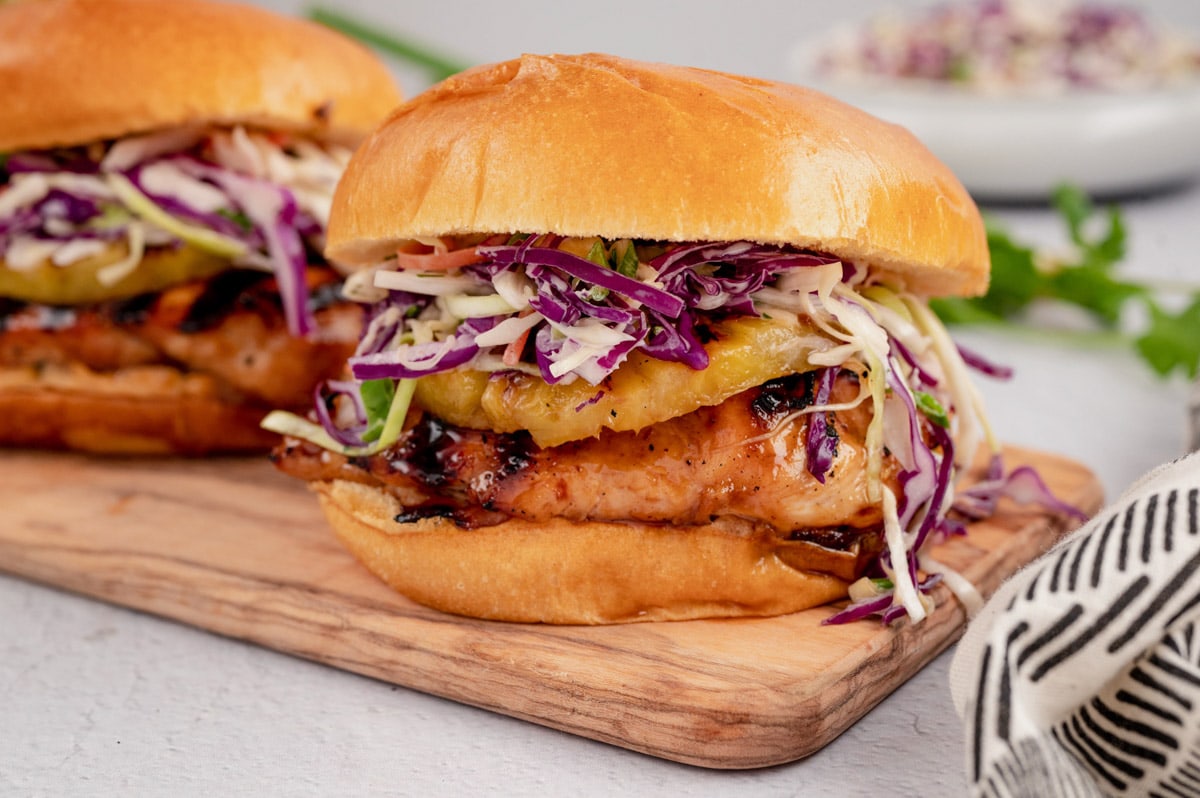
column 592, row 144
column 75, row 71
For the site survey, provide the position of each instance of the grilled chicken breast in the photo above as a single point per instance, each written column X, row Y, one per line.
column 742, row 462
column 230, row 327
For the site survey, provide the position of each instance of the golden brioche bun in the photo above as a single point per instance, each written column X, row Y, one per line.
column 597, row 145
column 134, row 410
column 572, row 573
column 74, row 71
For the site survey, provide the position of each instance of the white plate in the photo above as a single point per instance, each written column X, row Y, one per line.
column 1020, row 148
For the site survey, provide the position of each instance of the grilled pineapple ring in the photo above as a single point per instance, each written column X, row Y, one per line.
column 79, row 283
column 744, row 352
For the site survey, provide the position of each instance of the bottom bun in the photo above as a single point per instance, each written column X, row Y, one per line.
column 571, row 573
column 136, row 410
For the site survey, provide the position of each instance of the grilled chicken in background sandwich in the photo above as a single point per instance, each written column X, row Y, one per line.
column 168, row 171
column 645, row 342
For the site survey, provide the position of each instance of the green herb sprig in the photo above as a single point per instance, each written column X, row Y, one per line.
column 1170, row 340
column 437, row 65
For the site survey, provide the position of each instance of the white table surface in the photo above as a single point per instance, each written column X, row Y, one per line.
column 99, row 700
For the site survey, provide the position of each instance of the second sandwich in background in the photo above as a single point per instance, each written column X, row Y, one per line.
column 168, row 174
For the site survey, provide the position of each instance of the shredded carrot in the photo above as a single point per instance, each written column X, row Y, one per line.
column 437, row 261
column 512, row 352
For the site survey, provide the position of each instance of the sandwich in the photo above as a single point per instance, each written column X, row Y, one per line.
column 167, row 173
column 645, row 342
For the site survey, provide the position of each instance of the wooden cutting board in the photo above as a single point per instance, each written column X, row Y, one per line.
column 236, row 548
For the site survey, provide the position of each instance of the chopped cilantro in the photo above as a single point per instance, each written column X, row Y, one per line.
column 597, row 253
column 932, row 409
column 237, row 217
column 628, row 262
column 377, row 396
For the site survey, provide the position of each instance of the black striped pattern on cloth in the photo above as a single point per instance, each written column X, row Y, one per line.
column 1082, row 675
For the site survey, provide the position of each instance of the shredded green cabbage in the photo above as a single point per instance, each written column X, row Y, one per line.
column 292, row 425
column 894, row 536
column 199, row 237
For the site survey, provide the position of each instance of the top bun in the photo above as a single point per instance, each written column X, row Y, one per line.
column 597, row 145
column 74, row 71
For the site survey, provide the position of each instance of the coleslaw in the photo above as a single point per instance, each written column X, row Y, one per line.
column 1013, row 47
column 259, row 200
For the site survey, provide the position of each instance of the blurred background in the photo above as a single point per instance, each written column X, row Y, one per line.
column 1007, row 142
column 756, row 37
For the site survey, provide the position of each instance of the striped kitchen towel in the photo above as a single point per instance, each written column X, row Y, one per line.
column 1081, row 675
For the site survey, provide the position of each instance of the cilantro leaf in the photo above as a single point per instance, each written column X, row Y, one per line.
column 1111, row 248
column 237, row 217
column 377, row 397
column 1075, row 207
column 932, row 409
column 1015, row 282
column 628, row 264
column 597, row 254
column 957, row 310
column 1173, row 340
column 1093, row 289
column 1015, row 277
column 1077, row 211
column 1088, row 282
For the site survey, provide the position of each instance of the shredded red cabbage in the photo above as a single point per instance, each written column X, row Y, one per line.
column 385, row 320
column 923, row 376
column 859, row 610
column 925, row 482
column 596, row 397
column 677, row 342
column 71, row 208
column 271, row 212
column 561, row 302
column 175, row 206
column 583, row 269
column 68, row 159
column 983, row 365
column 325, row 395
column 1022, row 485
column 821, row 440
column 881, row 605
column 422, row 359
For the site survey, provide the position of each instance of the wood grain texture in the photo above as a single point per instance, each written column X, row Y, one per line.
column 233, row 547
